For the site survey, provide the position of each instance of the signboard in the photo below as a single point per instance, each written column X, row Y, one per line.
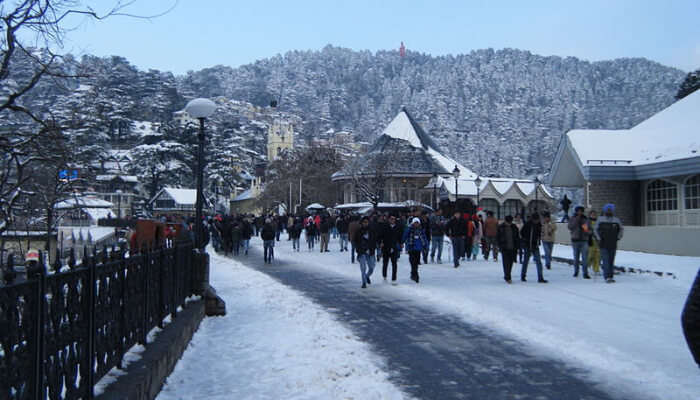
column 67, row 175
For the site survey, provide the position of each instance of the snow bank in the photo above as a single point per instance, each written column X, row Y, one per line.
column 273, row 344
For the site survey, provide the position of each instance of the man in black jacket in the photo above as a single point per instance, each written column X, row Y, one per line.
column 342, row 225
column 508, row 243
column 457, row 231
column 365, row 242
column 390, row 243
column 530, row 236
column 267, row 234
column 690, row 318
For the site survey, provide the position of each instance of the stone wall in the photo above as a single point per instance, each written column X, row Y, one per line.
column 625, row 195
column 144, row 378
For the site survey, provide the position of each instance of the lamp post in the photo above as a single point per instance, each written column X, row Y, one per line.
column 455, row 174
column 119, row 203
column 538, row 181
column 435, row 181
column 477, row 182
column 200, row 109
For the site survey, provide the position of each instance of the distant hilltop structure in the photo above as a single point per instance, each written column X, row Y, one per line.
column 280, row 137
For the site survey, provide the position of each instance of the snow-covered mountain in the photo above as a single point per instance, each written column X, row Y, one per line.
column 499, row 112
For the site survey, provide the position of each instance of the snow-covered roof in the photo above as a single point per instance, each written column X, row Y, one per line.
column 99, row 213
column 83, row 202
column 247, row 195
column 405, row 128
column 125, row 178
column 671, row 134
column 182, row 196
column 315, row 206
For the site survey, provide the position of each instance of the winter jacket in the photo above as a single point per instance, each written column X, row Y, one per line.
column 503, row 241
column 437, row 226
column 415, row 239
column 269, row 232
column 325, row 226
column 491, row 226
column 690, row 319
column 365, row 241
column 457, row 227
column 608, row 231
column 391, row 237
column 342, row 225
column 580, row 228
column 530, row 235
column 353, row 227
column 246, row 231
column 549, row 231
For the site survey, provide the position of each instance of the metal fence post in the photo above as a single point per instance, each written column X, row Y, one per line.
column 39, row 332
column 92, row 294
column 146, row 268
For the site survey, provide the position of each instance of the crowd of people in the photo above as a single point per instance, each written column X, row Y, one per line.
column 384, row 237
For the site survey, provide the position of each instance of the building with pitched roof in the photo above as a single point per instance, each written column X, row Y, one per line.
column 650, row 171
column 404, row 163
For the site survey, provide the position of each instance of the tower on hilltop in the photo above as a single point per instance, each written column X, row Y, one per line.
column 280, row 136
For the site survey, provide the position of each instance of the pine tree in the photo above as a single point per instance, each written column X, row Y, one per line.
column 689, row 85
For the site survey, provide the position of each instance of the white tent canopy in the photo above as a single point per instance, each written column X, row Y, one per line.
column 315, row 206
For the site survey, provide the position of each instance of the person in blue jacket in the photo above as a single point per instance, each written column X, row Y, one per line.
column 415, row 240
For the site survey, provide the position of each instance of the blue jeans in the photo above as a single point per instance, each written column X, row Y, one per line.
column 548, row 246
column 343, row 241
column 437, row 245
column 538, row 262
column 245, row 243
column 268, row 246
column 295, row 243
column 367, row 263
column 580, row 250
column 457, row 249
column 607, row 256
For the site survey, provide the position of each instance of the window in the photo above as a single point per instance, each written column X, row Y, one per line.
column 662, row 196
column 511, row 207
column 691, row 190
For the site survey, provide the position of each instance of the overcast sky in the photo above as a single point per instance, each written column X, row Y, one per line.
column 196, row 34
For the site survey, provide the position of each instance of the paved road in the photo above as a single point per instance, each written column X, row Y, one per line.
column 432, row 355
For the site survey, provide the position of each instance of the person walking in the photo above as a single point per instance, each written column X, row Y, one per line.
column 478, row 234
column 518, row 222
column 457, row 231
column 353, row 227
column 325, row 230
column 608, row 231
column 491, row 233
column 365, row 244
column 530, row 236
column 425, row 224
column 580, row 229
column 310, row 230
column 390, row 242
column 437, row 234
column 268, row 234
column 549, row 231
column 508, row 243
column 342, row 226
column 295, row 233
column 246, row 234
column 565, row 204
column 415, row 240
column 593, row 248
column 690, row 319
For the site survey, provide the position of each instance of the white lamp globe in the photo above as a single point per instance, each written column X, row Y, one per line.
column 200, row 108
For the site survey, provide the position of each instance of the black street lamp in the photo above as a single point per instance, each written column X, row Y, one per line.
column 538, row 181
column 435, row 181
column 477, row 182
column 455, row 174
column 200, row 109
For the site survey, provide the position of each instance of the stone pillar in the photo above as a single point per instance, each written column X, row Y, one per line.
column 625, row 195
column 213, row 304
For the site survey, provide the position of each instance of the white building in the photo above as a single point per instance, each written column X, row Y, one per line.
column 651, row 171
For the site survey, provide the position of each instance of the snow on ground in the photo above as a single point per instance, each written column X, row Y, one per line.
column 625, row 335
column 273, row 344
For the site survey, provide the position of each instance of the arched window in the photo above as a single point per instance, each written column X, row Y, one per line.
column 662, row 196
column 691, row 190
column 511, row 207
